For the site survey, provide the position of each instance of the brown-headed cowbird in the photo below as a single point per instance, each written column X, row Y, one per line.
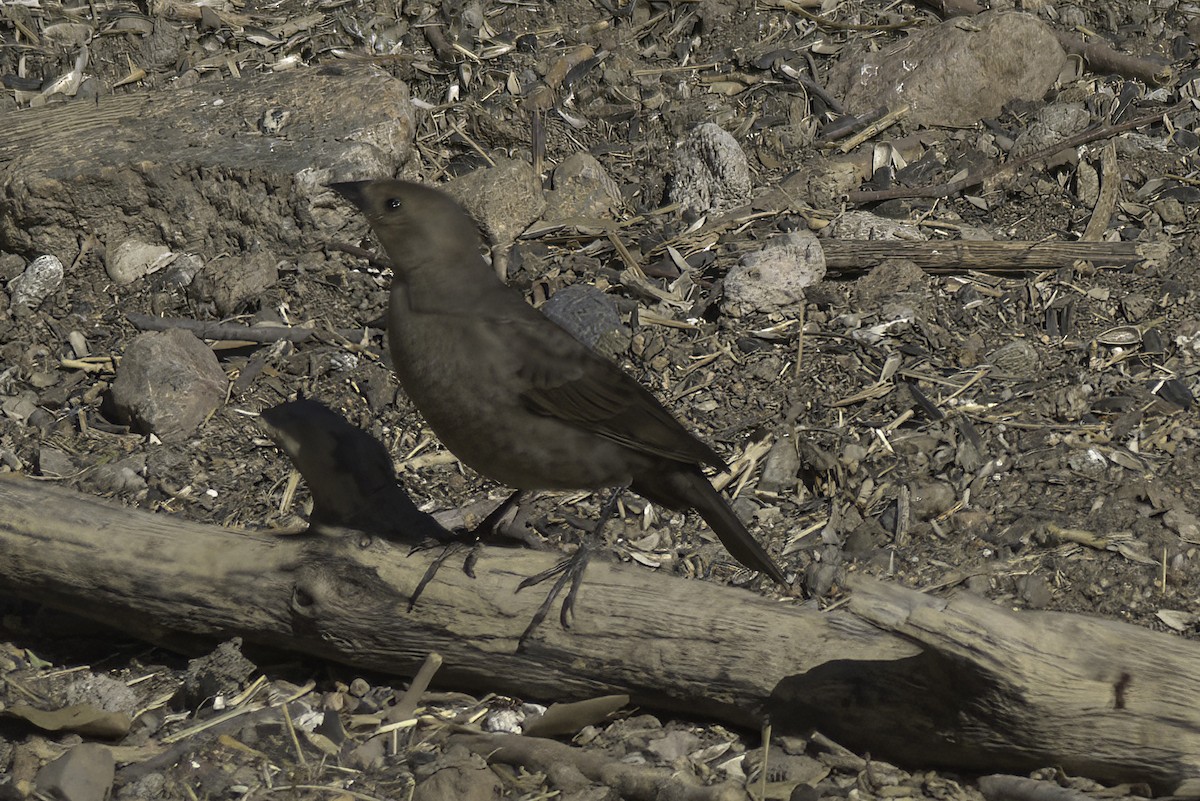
column 509, row 392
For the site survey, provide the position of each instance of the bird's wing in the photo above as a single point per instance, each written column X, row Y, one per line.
column 570, row 382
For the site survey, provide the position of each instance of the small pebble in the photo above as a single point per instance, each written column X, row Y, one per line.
column 39, row 280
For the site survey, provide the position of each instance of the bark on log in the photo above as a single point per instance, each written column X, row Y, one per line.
column 911, row 678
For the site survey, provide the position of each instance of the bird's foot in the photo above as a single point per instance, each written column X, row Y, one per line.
column 569, row 570
column 461, row 541
column 487, row 529
column 456, row 541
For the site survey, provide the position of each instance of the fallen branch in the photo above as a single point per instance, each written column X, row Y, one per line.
column 207, row 329
column 960, row 255
column 1100, row 58
column 1000, row 172
column 912, row 678
column 692, row 646
column 635, row 782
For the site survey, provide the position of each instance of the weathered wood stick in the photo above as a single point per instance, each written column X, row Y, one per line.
column 211, row 329
column 1101, row 59
column 962, row 255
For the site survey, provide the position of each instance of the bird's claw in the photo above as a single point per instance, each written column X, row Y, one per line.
column 449, row 550
column 569, row 570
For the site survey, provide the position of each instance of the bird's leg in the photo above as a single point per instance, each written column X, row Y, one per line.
column 431, row 571
column 488, row 527
column 458, row 540
column 458, row 543
column 569, row 570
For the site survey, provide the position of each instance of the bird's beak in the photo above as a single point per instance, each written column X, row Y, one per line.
column 352, row 191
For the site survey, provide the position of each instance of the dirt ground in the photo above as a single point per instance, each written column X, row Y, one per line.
column 1033, row 440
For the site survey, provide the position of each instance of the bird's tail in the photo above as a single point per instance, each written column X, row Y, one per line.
column 688, row 488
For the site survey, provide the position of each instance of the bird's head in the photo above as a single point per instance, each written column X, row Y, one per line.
column 410, row 218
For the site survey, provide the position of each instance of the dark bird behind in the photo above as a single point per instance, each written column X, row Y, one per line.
column 509, row 392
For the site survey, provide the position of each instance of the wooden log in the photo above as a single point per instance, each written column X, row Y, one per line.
column 911, row 678
column 997, row 689
column 693, row 646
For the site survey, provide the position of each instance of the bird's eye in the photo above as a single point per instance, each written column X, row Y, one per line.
column 393, row 203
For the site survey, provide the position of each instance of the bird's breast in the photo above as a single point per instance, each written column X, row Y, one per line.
column 463, row 376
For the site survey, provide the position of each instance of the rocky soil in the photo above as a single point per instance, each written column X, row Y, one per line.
column 1024, row 432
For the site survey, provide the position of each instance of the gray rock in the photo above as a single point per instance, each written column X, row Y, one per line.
column 1089, row 463
column 954, row 74
column 1035, row 591
column 85, row 773
column 369, row 755
column 591, row 316
column 1137, row 306
column 460, row 782
column 20, row 407
column 781, row 467
column 37, row 282
column 582, row 188
column 979, row 585
column 774, row 278
column 167, row 384
column 145, row 788
column 1183, row 523
column 503, row 199
column 710, row 171
column 231, row 282
column 55, row 463
column 929, row 499
column 134, row 259
column 1170, row 211
column 79, row 344
column 102, row 692
column 120, row 477
column 1051, row 124
column 893, row 281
